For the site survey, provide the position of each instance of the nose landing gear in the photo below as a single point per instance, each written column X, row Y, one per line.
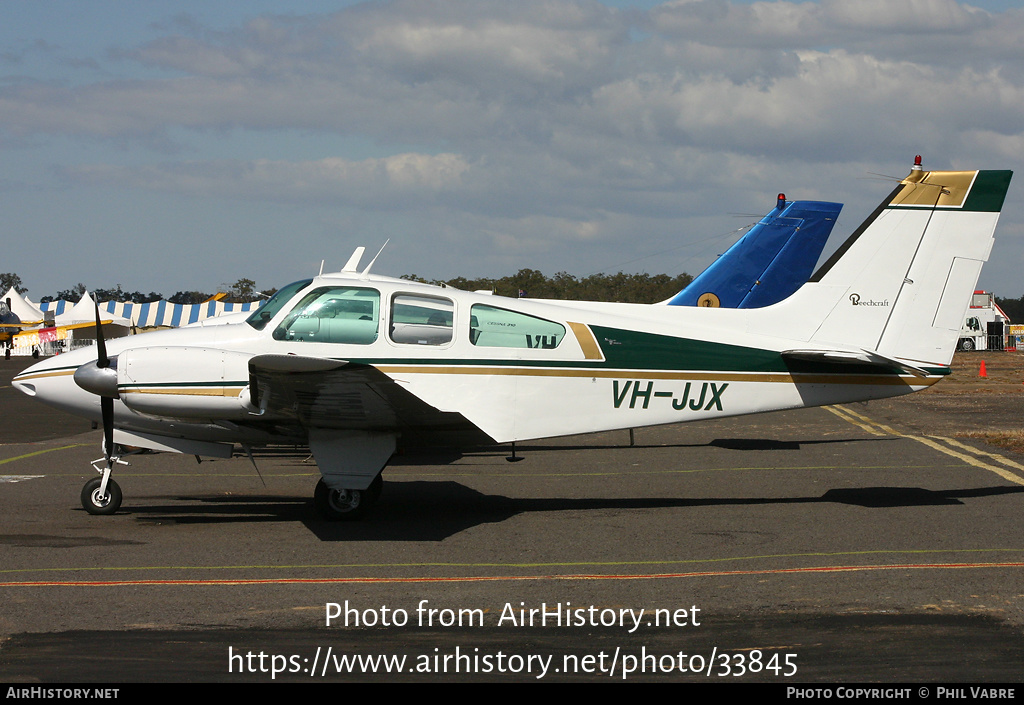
column 99, row 500
column 101, row 495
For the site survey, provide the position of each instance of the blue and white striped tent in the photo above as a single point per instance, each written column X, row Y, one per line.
column 159, row 313
column 58, row 307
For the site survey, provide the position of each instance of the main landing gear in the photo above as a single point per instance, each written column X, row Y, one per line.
column 346, row 505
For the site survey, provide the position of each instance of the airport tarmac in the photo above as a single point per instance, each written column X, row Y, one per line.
column 838, row 544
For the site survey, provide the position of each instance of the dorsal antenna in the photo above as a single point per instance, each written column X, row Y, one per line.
column 353, row 262
column 367, row 270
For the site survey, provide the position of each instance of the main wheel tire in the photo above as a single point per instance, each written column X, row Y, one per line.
column 94, row 503
column 346, row 505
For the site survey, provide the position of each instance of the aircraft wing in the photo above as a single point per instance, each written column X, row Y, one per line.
column 769, row 263
column 324, row 394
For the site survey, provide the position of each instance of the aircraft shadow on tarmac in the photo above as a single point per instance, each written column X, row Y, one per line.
column 724, row 443
column 435, row 510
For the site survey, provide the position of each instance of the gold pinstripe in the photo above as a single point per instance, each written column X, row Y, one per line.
column 187, row 391
column 773, row 377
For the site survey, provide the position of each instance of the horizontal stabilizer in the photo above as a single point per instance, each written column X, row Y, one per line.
column 847, row 357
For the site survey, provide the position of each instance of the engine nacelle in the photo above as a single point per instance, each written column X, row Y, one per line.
column 187, row 383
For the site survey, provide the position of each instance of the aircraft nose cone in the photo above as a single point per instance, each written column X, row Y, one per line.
column 98, row 380
column 24, row 387
column 40, row 373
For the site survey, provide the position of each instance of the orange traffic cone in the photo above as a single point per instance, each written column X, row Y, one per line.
column 982, row 372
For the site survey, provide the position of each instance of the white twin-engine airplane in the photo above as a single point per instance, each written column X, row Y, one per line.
column 357, row 365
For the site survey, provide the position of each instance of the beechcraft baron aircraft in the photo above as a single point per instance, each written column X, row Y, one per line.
column 356, row 365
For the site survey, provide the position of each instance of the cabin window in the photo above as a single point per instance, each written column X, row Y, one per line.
column 421, row 320
column 498, row 328
column 262, row 316
column 333, row 314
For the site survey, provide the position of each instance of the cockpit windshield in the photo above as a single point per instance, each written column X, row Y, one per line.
column 262, row 316
column 333, row 314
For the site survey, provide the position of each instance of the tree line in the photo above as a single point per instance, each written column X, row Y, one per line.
column 1013, row 308
column 621, row 287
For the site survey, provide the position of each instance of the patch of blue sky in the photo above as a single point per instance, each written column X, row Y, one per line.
column 78, row 42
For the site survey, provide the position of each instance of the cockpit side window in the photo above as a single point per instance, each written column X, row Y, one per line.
column 497, row 327
column 333, row 314
column 421, row 320
column 262, row 316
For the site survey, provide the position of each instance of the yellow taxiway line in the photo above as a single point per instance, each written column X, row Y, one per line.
column 971, row 456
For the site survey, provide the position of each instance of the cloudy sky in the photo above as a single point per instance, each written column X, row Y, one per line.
column 167, row 146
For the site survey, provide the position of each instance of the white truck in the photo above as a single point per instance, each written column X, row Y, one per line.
column 984, row 325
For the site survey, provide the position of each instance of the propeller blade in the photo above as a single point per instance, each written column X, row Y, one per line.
column 101, row 346
column 106, row 403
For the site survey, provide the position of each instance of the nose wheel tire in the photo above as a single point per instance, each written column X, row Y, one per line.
column 345, row 505
column 96, row 503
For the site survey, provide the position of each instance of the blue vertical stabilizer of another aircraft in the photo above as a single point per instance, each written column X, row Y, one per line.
column 770, row 262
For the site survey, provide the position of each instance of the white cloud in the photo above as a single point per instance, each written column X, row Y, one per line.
column 906, row 16
column 809, row 23
column 392, row 182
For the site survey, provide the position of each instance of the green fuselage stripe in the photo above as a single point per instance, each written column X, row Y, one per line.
column 627, row 353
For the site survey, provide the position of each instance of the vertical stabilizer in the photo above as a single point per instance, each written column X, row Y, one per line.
column 900, row 284
column 771, row 261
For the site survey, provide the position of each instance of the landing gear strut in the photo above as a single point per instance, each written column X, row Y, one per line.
column 346, row 505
